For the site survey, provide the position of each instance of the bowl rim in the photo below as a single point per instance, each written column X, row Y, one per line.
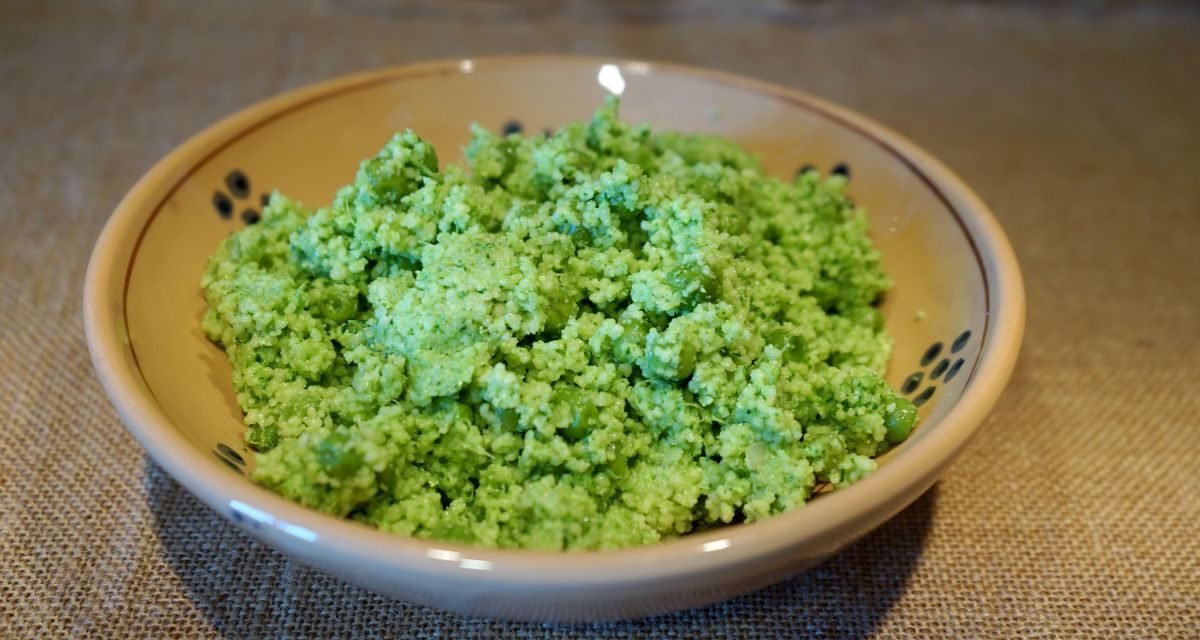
column 299, row 528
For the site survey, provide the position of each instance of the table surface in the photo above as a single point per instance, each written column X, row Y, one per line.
column 1074, row 514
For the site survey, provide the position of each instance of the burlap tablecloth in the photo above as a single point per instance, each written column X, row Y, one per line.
column 1075, row 514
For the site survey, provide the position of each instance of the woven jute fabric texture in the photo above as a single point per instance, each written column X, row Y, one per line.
column 1075, row 514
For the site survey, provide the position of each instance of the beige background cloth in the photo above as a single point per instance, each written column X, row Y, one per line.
column 1076, row 513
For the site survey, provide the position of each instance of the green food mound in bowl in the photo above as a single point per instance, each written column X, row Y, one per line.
column 596, row 339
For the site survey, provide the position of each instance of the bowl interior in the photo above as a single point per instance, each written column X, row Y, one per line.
column 308, row 145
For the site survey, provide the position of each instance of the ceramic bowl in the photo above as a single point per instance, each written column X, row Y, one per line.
column 956, row 312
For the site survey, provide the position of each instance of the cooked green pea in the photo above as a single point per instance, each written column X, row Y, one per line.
column 459, row 412
column 338, row 458
column 388, row 477
column 509, row 419
column 263, row 437
column 628, row 346
column 428, row 157
column 390, row 180
column 558, row 312
column 695, row 282
column 680, row 368
column 386, row 185
column 333, row 302
column 788, row 344
column 618, row 466
column 579, row 409
column 900, row 420
column 687, row 361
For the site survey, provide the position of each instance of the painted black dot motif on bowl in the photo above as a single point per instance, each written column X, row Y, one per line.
column 924, row 396
column 230, row 457
column 912, row 382
column 222, row 204
column 238, row 183
column 944, row 369
column 237, row 194
column 516, row 126
column 931, row 354
column 511, row 127
column 954, row 369
column 960, row 342
column 228, row 452
column 839, row 169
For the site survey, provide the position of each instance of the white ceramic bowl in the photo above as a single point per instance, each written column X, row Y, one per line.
column 956, row 312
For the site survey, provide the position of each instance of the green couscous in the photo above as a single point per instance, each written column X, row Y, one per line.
column 595, row 339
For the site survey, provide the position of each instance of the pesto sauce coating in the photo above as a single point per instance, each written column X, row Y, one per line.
column 597, row 339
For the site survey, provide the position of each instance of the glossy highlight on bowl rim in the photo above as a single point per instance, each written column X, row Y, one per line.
column 341, row 546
